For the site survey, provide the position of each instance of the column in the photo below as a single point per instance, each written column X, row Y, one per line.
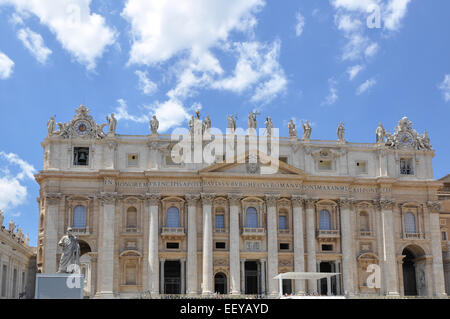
column 436, row 250
column 191, row 267
column 183, row 277
column 348, row 256
column 272, row 244
column 162, row 261
column 93, row 273
column 234, row 253
column 106, row 249
column 299, row 249
column 153, row 242
column 243, row 276
column 263, row 276
column 389, row 256
column 51, row 233
column 311, row 243
column 207, row 269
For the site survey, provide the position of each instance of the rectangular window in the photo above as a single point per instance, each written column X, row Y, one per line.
column 283, row 159
column 81, row 156
column 220, row 245
column 406, row 166
column 220, row 221
column 284, row 246
column 132, row 160
column 173, row 245
column 361, row 167
column 325, row 165
column 444, row 236
column 282, row 224
column 131, row 274
column 327, row 247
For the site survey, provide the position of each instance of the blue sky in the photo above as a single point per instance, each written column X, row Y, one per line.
column 315, row 60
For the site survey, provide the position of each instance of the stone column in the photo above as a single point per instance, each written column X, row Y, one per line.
column 234, row 200
column 207, row 269
column 162, row 261
column 191, row 267
column 311, row 243
column 389, row 257
column 348, row 256
column 153, row 242
column 94, row 271
column 183, row 277
column 272, row 244
column 299, row 249
column 243, row 276
column 106, row 249
column 51, row 232
column 436, row 250
column 263, row 276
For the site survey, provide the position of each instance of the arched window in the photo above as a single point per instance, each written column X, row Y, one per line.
column 220, row 283
column 132, row 218
column 173, row 217
column 79, row 217
column 410, row 223
column 325, row 220
column 364, row 221
column 251, row 218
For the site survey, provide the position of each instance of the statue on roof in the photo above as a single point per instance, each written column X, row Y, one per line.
column 112, row 124
column 292, row 129
column 381, row 134
column 154, row 125
column 51, row 126
column 341, row 133
column 269, row 126
column 307, row 130
column 231, row 123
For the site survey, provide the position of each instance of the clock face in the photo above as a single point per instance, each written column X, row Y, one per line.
column 405, row 139
column 82, row 127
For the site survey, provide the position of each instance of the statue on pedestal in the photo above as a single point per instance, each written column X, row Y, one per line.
column 154, row 125
column 206, row 124
column 381, row 134
column 252, row 123
column 269, row 126
column 307, row 130
column 71, row 253
column 191, row 125
column 341, row 133
column 11, row 226
column 231, row 123
column 51, row 126
column 292, row 129
column 112, row 124
column 2, row 218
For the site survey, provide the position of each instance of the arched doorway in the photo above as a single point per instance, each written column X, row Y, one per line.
column 220, row 283
column 85, row 266
column 414, row 282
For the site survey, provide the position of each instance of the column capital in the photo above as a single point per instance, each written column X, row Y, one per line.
column 192, row 199
column 271, row 199
column 53, row 198
column 434, row 206
column 207, row 198
column 234, row 198
column 107, row 198
column 387, row 204
column 346, row 203
column 297, row 200
column 153, row 198
column 310, row 202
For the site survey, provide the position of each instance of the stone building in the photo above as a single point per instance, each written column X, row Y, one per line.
column 17, row 263
column 147, row 222
column 444, row 198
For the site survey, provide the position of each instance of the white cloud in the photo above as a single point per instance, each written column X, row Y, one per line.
column 162, row 29
column 371, row 50
column 81, row 32
column 333, row 93
column 35, row 44
column 147, row 86
column 121, row 113
column 6, row 66
column 13, row 192
column 445, row 88
column 300, row 24
column 395, row 11
column 365, row 86
column 354, row 71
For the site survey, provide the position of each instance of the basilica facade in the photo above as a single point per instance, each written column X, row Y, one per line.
column 150, row 224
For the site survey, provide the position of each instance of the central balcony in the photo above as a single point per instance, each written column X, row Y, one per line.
column 250, row 233
column 413, row 235
column 328, row 233
column 172, row 232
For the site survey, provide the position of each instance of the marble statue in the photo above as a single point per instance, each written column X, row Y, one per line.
column 112, row 124
column 206, row 124
column 11, row 226
column 191, row 125
column 307, row 130
column 231, row 123
column 269, row 126
column 70, row 252
column 27, row 239
column 19, row 234
column 341, row 133
column 51, row 126
column 2, row 218
column 99, row 134
column 381, row 134
column 424, row 142
column 154, row 125
column 292, row 129
column 252, row 122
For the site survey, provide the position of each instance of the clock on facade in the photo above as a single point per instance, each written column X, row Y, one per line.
column 82, row 127
column 405, row 139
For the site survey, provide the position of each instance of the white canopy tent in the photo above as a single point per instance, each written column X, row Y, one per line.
column 306, row 276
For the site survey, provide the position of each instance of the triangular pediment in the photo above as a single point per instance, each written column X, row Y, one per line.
column 242, row 165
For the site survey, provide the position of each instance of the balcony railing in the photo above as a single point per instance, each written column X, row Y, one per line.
column 80, row 231
column 246, row 231
column 327, row 233
column 283, row 231
column 172, row 231
column 131, row 229
column 414, row 235
column 220, row 230
column 366, row 233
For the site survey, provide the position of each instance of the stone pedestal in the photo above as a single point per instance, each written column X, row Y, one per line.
column 59, row 286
